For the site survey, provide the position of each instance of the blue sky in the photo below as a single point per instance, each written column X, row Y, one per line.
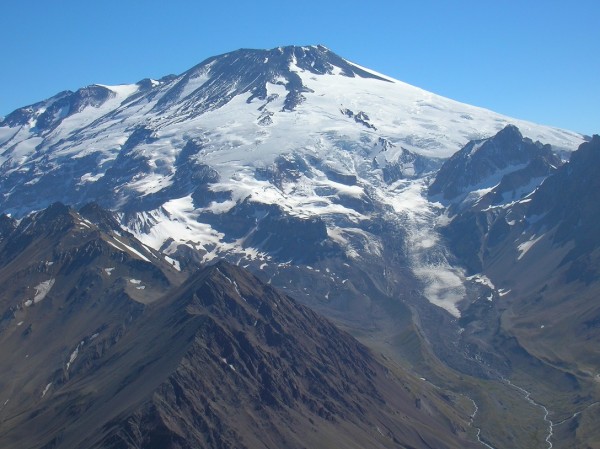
column 535, row 60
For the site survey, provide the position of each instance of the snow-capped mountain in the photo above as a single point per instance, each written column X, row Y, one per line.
column 232, row 155
column 395, row 211
column 241, row 110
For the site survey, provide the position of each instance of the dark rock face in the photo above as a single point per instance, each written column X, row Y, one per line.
column 342, row 178
column 359, row 117
column 128, row 162
column 269, row 228
column 569, row 201
column 514, row 185
column 25, row 115
column 263, row 360
column 102, row 218
column 507, row 158
column 66, row 300
column 465, row 236
column 250, row 71
column 140, row 135
column 57, row 108
column 47, row 182
column 71, row 104
column 514, row 167
column 56, row 219
column 7, row 226
column 570, row 196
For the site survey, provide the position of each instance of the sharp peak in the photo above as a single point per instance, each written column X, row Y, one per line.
column 223, row 271
column 225, row 268
column 510, row 129
column 55, row 209
column 509, row 132
column 57, row 216
column 586, row 150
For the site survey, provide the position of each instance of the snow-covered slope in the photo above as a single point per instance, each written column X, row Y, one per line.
column 254, row 152
column 248, row 107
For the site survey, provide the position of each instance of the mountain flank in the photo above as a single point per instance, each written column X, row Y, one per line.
column 218, row 360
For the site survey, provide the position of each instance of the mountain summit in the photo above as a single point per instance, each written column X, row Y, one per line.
column 251, row 71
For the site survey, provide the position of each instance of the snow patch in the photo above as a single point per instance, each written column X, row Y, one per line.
column 126, row 248
column 89, row 177
column 46, row 389
column 42, row 290
column 482, row 279
column 526, row 246
column 224, row 360
column 74, row 355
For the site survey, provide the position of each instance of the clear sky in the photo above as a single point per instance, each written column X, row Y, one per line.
column 530, row 59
